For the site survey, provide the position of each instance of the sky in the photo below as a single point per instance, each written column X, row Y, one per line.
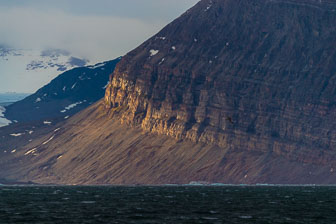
column 97, row 30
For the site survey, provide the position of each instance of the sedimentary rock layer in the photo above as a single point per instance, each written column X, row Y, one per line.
column 253, row 75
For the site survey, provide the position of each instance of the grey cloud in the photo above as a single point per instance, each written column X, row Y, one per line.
column 96, row 30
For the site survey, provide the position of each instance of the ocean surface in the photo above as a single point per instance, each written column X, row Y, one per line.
column 181, row 204
column 6, row 98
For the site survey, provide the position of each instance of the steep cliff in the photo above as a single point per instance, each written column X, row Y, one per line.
column 253, row 75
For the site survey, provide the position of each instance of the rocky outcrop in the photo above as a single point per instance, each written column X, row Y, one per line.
column 252, row 75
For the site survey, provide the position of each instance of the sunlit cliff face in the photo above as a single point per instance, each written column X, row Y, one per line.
column 243, row 85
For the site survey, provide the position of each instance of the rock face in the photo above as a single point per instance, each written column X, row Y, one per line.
column 252, row 75
column 64, row 96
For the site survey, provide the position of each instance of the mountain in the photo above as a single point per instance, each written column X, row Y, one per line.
column 65, row 95
column 233, row 91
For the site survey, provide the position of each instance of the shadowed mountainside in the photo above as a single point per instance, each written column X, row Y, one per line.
column 65, row 95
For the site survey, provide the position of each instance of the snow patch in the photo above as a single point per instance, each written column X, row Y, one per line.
column 72, row 106
column 14, row 150
column 30, row 132
column 97, row 66
column 46, row 142
column 57, row 129
column 173, row 48
column 104, row 87
column 32, row 151
column 47, row 122
column 16, row 134
column 66, row 117
column 74, row 85
column 3, row 120
column 38, row 99
column 161, row 38
column 209, row 6
column 163, row 59
column 153, row 52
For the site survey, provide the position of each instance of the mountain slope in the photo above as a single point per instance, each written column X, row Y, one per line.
column 93, row 148
column 233, row 91
column 65, row 95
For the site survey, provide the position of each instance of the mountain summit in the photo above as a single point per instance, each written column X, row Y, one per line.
column 233, row 91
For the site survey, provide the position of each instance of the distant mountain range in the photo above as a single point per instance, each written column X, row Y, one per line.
column 20, row 66
column 65, row 95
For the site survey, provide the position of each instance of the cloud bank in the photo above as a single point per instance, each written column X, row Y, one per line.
column 93, row 37
column 96, row 30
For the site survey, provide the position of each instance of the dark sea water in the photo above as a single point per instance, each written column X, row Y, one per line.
column 183, row 204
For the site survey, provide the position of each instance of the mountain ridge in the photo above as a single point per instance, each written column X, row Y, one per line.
column 65, row 95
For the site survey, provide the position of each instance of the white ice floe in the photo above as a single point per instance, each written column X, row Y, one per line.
column 3, row 120
column 66, row 117
column 38, row 99
column 153, row 52
column 47, row 122
column 64, row 88
column 46, row 142
column 161, row 38
column 30, row 132
column 173, row 47
column 32, row 151
column 16, row 134
column 195, row 40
